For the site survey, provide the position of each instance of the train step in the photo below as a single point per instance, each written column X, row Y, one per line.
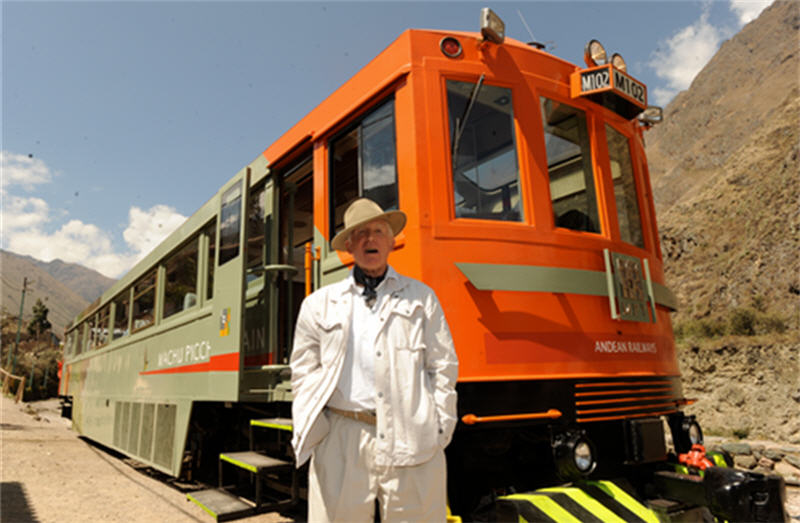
column 221, row 505
column 273, row 423
column 255, row 462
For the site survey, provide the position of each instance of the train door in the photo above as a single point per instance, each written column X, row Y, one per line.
column 228, row 302
column 279, row 223
column 295, row 231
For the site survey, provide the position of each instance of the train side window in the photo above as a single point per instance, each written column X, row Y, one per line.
column 210, row 232
column 121, row 314
column 180, row 287
column 230, row 216
column 69, row 343
column 101, row 337
column 630, row 223
column 78, row 348
column 364, row 164
column 91, row 326
column 484, row 152
column 569, row 164
column 256, row 212
column 144, row 301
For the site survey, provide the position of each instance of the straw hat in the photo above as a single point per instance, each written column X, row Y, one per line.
column 363, row 211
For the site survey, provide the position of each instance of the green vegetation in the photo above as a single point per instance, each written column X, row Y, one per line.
column 741, row 321
column 38, row 351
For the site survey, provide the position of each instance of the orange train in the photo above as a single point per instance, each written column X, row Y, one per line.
column 530, row 213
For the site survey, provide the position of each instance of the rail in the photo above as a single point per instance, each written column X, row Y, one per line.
column 7, row 377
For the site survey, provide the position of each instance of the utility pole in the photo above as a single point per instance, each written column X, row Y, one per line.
column 13, row 361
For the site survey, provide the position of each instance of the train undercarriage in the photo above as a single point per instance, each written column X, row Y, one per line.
column 511, row 471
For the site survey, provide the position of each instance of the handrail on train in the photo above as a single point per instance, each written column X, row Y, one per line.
column 308, row 265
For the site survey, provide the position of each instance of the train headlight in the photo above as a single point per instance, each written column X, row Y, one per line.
column 595, row 54
column 685, row 432
column 583, row 457
column 652, row 115
column 492, row 27
column 619, row 62
column 574, row 455
column 693, row 431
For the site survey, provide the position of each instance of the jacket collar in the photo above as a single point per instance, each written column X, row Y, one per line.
column 347, row 288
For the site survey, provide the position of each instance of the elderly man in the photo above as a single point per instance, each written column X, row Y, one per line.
column 373, row 376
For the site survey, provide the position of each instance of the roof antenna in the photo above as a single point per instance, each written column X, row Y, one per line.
column 533, row 42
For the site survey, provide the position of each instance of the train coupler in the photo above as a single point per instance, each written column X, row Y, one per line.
column 730, row 494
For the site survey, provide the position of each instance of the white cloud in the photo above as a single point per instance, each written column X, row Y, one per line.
column 748, row 10
column 20, row 213
column 678, row 59
column 24, row 222
column 146, row 229
column 18, row 169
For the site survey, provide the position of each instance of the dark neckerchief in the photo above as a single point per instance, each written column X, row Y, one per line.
column 369, row 283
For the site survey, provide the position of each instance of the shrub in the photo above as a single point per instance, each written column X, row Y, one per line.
column 766, row 323
column 742, row 322
column 700, row 328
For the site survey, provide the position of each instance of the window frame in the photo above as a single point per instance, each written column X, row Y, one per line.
column 154, row 288
column 164, row 264
column 516, row 129
column 637, row 183
column 353, row 123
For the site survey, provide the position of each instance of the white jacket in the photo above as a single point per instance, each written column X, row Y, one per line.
column 415, row 374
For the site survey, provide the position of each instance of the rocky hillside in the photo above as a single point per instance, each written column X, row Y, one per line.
column 746, row 387
column 726, row 180
column 65, row 292
column 85, row 282
column 725, row 174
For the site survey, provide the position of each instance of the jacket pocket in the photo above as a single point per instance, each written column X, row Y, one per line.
column 405, row 325
column 330, row 341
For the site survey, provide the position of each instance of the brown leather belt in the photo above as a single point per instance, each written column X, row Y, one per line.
column 363, row 416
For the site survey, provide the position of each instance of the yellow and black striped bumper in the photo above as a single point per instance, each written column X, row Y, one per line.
column 587, row 501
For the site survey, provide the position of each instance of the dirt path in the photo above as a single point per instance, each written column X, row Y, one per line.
column 49, row 474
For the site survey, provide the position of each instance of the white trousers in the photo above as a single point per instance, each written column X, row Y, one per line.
column 344, row 481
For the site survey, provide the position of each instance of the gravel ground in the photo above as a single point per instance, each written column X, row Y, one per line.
column 48, row 473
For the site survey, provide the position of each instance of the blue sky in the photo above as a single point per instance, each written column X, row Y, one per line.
column 119, row 119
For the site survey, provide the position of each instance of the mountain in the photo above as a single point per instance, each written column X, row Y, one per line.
column 66, row 289
column 85, row 282
column 726, row 180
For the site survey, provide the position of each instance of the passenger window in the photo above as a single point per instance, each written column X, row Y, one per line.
column 101, row 337
column 484, row 152
column 180, row 287
column 211, row 233
column 144, row 301
column 121, row 314
column 78, row 347
column 70, row 343
column 256, row 212
column 363, row 164
column 569, row 164
column 230, row 216
column 630, row 224
column 91, row 325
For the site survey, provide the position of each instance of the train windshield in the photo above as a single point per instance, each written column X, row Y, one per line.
column 569, row 164
column 485, row 168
